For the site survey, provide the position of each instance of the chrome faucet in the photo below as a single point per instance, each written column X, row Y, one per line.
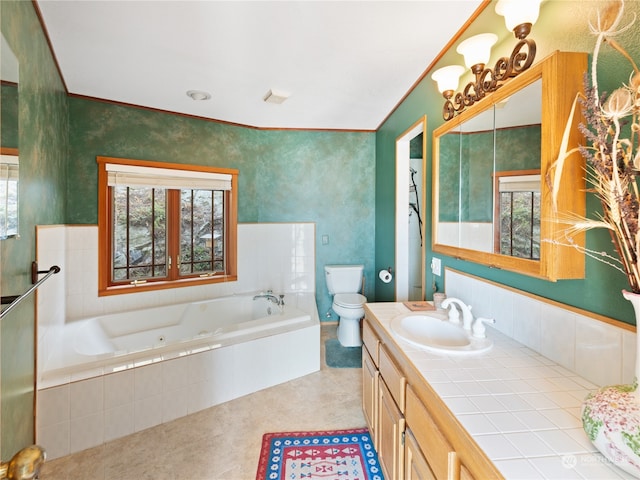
column 467, row 316
column 272, row 298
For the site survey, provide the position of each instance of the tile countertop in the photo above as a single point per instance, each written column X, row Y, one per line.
column 521, row 408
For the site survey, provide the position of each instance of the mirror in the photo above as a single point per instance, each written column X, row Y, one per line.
column 488, row 204
column 490, row 163
column 9, row 163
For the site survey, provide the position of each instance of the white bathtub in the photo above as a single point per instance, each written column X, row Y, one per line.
column 110, row 343
column 115, row 375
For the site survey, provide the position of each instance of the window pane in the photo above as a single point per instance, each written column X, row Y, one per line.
column 139, row 234
column 520, row 224
column 199, row 230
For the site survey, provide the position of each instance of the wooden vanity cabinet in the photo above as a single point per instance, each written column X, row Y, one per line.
column 437, row 452
column 383, row 402
column 370, row 379
column 416, row 436
column 415, row 465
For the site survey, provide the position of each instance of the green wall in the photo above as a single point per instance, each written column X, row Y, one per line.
column 285, row 175
column 42, row 142
column 9, row 116
column 563, row 25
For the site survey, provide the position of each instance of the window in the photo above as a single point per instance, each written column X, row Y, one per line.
column 518, row 201
column 164, row 225
column 9, row 166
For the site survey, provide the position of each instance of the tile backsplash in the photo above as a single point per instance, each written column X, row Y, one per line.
column 601, row 352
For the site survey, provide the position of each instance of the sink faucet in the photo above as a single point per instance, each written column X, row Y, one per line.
column 467, row 316
column 271, row 297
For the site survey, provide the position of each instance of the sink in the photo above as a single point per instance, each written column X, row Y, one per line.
column 433, row 332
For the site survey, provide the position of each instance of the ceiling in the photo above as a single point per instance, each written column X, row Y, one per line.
column 344, row 64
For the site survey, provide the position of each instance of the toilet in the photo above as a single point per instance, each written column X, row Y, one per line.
column 344, row 282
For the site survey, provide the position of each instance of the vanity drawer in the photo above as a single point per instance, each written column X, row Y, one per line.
column 436, row 449
column 370, row 340
column 393, row 377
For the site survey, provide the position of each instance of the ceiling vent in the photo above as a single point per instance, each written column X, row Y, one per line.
column 275, row 96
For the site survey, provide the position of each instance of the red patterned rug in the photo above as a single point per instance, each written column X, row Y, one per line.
column 335, row 455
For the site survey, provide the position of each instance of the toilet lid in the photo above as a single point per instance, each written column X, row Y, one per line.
column 349, row 300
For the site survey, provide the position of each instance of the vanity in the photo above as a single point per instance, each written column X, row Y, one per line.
column 508, row 412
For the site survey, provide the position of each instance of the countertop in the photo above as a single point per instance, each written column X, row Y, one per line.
column 521, row 408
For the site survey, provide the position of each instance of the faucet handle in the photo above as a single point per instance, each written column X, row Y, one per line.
column 454, row 314
column 478, row 330
column 281, row 298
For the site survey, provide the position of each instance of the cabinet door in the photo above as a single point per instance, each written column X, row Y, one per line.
column 415, row 465
column 436, row 449
column 370, row 380
column 390, row 430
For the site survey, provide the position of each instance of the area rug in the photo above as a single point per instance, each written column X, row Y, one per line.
column 333, row 455
column 337, row 356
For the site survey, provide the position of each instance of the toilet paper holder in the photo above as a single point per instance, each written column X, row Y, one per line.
column 385, row 275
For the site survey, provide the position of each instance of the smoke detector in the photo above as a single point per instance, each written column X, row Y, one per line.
column 275, row 96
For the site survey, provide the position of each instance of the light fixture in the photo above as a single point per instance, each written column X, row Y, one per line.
column 275, row 96
column 519, row 15
column 447, row 79
column 198, row 95
column 477, row 50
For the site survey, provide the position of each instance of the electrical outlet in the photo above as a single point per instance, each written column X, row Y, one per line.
column 436, row 266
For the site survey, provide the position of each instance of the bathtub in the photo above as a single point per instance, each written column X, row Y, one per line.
column 111, row 376
column 115, row 342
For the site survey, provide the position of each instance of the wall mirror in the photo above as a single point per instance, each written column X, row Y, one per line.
column 491, row 201
column 9, row 159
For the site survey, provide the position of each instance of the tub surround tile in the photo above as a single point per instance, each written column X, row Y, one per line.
column 86, row 398
column 140, row 398
column 118, row 389
column 86, row 432
column 147, row 413
column 118, row 421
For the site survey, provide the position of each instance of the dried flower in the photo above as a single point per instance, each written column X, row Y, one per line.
column 619, row 104
column 613, row 159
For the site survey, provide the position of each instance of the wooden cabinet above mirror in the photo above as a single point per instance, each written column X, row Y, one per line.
column 491, row 199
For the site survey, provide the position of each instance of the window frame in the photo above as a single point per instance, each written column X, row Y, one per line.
column 105, row 231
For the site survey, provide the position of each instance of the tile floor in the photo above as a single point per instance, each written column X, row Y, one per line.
column 223, row 442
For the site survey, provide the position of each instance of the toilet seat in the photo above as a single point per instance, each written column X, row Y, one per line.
column 349, row 300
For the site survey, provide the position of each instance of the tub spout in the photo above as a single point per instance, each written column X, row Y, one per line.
column 25, row 465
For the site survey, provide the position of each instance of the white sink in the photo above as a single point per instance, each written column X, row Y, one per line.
column 433, row 332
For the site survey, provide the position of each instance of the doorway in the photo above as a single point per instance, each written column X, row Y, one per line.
column 411, row 148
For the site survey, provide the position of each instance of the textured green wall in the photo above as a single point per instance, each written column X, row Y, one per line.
column 9, row 116
column 563, row 25
column 43, row 136
column 285, row 175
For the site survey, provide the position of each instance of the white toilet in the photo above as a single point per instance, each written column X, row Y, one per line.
column 344, row 282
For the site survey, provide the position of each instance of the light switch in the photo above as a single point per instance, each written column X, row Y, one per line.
column 436, row 266
column 325, row 239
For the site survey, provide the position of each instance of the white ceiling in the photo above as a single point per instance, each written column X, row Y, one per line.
column 345, row 64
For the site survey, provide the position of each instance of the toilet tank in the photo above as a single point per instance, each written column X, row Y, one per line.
column 343, row 278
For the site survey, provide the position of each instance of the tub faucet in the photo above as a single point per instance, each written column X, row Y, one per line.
column 467, row 316
column 271, row 297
